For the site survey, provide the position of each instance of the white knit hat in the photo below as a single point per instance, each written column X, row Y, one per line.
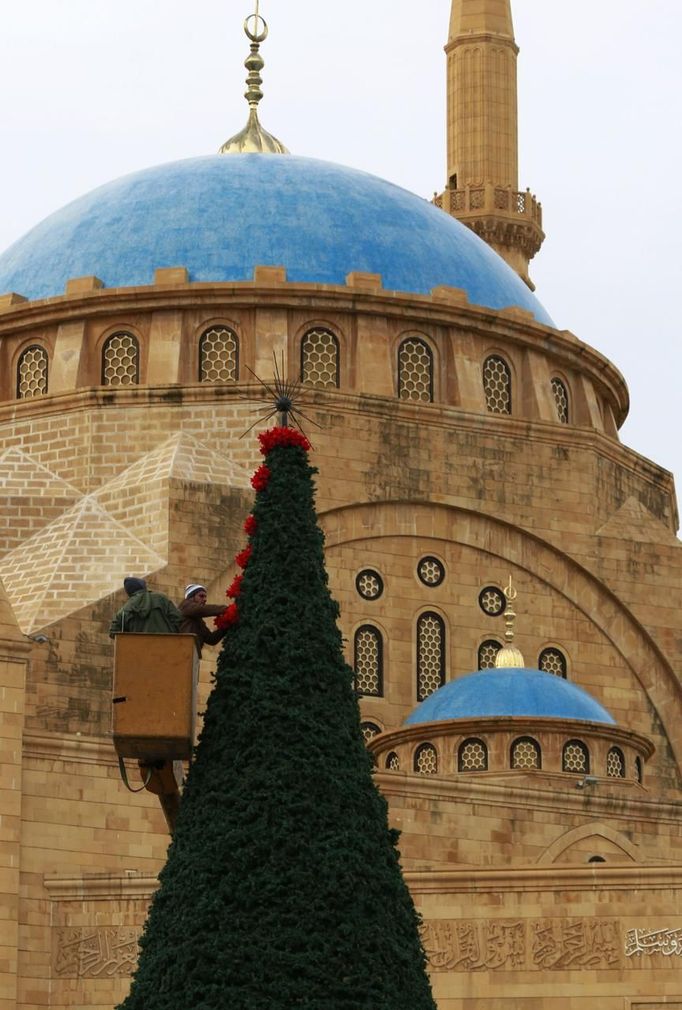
column 193, row 588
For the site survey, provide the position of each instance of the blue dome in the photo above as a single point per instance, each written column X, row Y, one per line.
column 509, row 693
column 220, row 216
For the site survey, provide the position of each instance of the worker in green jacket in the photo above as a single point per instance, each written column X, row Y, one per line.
column 145, row 612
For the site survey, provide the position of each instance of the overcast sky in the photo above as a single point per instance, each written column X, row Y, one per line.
column 91, row 91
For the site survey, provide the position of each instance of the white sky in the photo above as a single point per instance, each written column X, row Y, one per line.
column 90, row 91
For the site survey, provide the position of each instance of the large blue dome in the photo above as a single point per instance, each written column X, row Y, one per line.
column 509, row 693
column 220, row 216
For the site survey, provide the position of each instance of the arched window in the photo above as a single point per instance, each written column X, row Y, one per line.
column 369, row 730
column 472, row 756
column 430, row 654
column 560, row 399
column 497, row 385
column 415, row 371
column 320, row 359
column 615, row 763
column 121, row 360
column 219, row 355
column 426, row 760
column 576, row 757
column 369, row 661
column 393, row 762
column 553, row 661
column 525, row 753
column 487, row 654
column 639, row 770
column 32, row 373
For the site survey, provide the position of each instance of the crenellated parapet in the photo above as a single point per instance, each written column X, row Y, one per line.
column 357, row 339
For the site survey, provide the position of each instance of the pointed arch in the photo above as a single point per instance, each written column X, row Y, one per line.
column 596, row 830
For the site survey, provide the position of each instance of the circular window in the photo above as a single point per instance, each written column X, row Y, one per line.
column 430, row 571
column 369, row 584
column 492, row 601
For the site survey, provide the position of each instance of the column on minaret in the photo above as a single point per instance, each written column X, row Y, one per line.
column 13, row 660
column 482, row 188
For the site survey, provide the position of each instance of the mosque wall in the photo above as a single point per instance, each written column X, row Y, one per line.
column 98, row 482
column 552, row 937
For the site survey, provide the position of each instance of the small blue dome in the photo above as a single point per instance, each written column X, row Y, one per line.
column 220, row 216
column 509, row 693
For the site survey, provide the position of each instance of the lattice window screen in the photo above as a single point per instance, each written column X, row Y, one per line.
column 32, row 373
column 487, row 654
column 525, row 754
column 430, row 655
column 368, row 661
column 219, row 355
column 415, row 371
column 553, row 661
column 560, row 399
column 576, row 757
column 472, row 756
column 426, row 760
column 497, row 385
column 320, row 359
column 121, row 360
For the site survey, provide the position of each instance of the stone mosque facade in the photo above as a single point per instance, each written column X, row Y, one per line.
column 464, row 440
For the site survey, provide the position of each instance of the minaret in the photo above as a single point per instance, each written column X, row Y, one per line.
column 482, row 133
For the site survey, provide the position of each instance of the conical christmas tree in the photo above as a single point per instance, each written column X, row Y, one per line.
column 282, row 887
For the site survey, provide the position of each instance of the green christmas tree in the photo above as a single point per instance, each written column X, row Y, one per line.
column 282, row 887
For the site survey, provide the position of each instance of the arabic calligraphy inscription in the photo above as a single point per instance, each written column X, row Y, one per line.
column 522, row 945
column 96, row 952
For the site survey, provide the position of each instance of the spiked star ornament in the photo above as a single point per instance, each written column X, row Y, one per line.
column 280, row 401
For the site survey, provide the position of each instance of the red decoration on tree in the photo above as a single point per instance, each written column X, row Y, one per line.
column 268, row 440
column 282, row 436
column 260, row 479
column 242, row 558
column 228, row 618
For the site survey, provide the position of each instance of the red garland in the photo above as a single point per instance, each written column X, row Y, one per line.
column 268, row 440
column 243, row 557
column 260, row 479
column 282, row 436
column 228, row 618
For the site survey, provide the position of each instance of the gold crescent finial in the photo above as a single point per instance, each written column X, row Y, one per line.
column 509, row 656
column 253, row 138
column 255, row 35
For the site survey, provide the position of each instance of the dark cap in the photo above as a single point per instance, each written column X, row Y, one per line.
column 132, row 585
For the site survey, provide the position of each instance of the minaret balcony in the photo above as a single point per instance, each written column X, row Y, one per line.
column 491, row 199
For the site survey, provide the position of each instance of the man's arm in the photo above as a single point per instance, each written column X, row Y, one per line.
column 190, row 609
column 213, row 637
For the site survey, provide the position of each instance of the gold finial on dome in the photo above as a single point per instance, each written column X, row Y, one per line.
column 253, row 139
column 509, row 657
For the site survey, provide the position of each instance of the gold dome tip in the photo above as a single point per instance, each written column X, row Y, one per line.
column 509, row 658
column 253, row 139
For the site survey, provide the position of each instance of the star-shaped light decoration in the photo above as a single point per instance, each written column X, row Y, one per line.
column 280, row 401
